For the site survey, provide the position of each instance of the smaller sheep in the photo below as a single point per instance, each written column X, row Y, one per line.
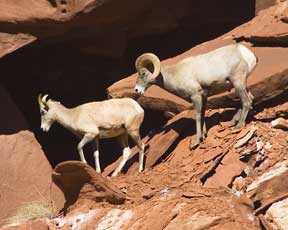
column 197, row 77
column 97, row 120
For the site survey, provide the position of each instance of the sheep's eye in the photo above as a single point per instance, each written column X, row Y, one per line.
column 43, row 112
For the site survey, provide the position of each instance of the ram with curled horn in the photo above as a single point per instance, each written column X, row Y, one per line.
column 97, row 120
column 197, row 77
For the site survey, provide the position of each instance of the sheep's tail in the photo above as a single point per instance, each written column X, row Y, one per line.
column 248, row 56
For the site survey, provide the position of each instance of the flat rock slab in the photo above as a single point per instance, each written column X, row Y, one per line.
column 11, row 42
column 79, row 182
column 269, row 192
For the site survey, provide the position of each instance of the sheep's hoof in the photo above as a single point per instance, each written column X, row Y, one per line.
column 204, row 136
column 194, row 144
column 240, row 125
column 114, row 174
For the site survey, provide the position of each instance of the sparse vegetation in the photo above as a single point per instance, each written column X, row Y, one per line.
column 32, row 211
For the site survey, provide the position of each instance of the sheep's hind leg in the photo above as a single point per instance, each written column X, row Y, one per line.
column 135, row 136
column 250, row 96
column 86, row 139
column 123, row 140
column 236, row 117
column 204, row 128
column 96, row 156
column 197, row 103
column 246, row 100
column 246, row 105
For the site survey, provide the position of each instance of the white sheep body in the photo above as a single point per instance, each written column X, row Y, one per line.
column 196, row 77
column 110, row 117
column 98, row 120
column 210, row 70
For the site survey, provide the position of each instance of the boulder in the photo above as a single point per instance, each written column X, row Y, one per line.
column 25, row 175
column 25, row 172
column 80, row 184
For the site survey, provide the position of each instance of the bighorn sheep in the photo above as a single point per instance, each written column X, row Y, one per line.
column 196, row 77
column 103, row 119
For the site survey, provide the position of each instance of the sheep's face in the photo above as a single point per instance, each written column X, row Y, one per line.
column 144, row 81
column 47, row 118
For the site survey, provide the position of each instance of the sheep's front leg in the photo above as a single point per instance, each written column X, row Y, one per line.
column 126, row 153
column 86, row 139
column 197, row 103
column 96, row 156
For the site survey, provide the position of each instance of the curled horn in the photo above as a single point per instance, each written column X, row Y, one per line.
column 42, row 100
column 147, row 58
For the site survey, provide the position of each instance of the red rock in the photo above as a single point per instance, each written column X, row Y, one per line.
column 229, row 168
column 81, row 184
column 11, row 42
column 280, row 123
column 31, row 225
column 25, row 175
column 259, row 28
